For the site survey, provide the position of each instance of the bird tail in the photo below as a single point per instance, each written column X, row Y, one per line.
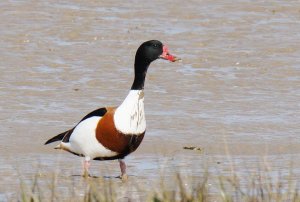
column 58, row 146
column 58, row 137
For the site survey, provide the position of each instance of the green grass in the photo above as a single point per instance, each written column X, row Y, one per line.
column 257, row 187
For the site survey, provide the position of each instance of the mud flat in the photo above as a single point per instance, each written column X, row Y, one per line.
column 235, row 94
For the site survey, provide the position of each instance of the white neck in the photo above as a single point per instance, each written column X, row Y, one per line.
column 129, row 117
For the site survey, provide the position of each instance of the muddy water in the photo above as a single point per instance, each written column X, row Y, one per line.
column 235, row 94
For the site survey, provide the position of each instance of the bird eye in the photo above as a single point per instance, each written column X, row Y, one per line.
column 155, row 45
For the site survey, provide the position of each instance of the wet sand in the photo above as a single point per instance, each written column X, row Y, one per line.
column 235, row 94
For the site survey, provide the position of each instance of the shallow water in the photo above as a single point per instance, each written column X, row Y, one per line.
column 235, row 94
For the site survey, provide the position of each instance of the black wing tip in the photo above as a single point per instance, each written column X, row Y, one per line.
column 48, row 142
column 66, row 135
column 58, row 137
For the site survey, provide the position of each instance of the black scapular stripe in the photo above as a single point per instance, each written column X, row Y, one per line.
column 98, row 112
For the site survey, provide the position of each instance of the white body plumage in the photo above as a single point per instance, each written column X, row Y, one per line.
column 129, row 117
column 83, row 140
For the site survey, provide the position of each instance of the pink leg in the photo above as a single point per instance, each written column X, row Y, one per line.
column 86, row 166
column 123, row 170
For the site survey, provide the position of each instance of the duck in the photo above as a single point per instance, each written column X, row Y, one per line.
column 112, row 133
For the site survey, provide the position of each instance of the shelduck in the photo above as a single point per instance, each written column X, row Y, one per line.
column 111, row 133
